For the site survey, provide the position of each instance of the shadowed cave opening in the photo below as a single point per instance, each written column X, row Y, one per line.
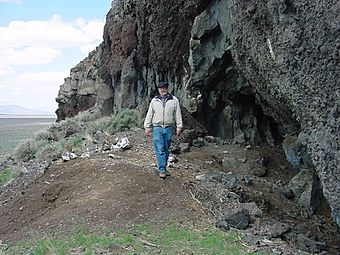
column 241, row 117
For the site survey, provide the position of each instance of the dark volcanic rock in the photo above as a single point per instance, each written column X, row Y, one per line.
column 239, row 220
column 289, row 51
column 250, row 71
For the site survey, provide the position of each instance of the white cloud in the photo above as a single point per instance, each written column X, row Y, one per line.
column 6, row 70
column 26, row 56
column 39, row 42
column 51, row 33
column 37, row 45
column 32, row 90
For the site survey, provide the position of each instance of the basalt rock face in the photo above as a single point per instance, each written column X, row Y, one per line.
column 84, row 88
column 289, row 51
column 249, row 71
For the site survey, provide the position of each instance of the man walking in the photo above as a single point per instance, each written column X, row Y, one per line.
column 162, row 119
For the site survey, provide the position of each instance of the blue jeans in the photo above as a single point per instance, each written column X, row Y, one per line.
column 162, row 138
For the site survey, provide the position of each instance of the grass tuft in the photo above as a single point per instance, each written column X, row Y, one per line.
column 141, row 239
column 6, row 176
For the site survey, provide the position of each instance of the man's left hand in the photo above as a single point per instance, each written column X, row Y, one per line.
column 178, row 132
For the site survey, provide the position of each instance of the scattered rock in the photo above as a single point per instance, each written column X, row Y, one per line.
column 114, row 156
column 307, row 244
column 201, row 177
column 248, row 179
column 223, row 225
column 231, row 182
column 286, row 192
column 66, row 156
column 172, row 159
column 243, row 160
column 231, row 162
column 239, row 139
column 248, row 147
column 306, row 189
column 184, row 147
column 73, row 155
column 122, row 144
column 238, row 220
column 210, row 139
column 85, row 155
column 106, row 147
column 275, row 230
column 251, row 208
column 199, row 142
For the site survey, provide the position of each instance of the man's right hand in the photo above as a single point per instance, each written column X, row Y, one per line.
column 148, row 132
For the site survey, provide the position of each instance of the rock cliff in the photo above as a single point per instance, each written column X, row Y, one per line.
column 250, row 71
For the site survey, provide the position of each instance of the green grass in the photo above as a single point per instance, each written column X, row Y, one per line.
column 6, row 176
column 142, row 239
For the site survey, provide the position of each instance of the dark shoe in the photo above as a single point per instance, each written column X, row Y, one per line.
column 162, row 175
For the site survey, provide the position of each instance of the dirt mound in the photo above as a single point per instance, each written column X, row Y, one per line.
column 115, row 192
column 100, row 191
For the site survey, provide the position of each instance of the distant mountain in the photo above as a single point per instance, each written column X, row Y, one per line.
column 18, row 110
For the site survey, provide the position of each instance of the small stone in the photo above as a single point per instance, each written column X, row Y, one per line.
column 248, row 180
column 172, row 159
column 239, row 220
column 185, row 147
column 231, row 182
column 243, row 160
column 248, row 147
column 276, row 229
column 114, row 156
column 106, row 147
column 85, row 155
column 199, row 142
column 223, row 225
column 210, row 139
column 201, row 177
column 73, row 155
column 310, row 245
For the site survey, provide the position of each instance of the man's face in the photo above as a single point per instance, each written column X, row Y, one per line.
column 163, row 90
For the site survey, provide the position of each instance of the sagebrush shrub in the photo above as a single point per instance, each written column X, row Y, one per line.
column 87, row 116
column 44, row 134
column 25, row 150
column 125, row 120
column 66, row 128
column 101, row 124
column 50, row 151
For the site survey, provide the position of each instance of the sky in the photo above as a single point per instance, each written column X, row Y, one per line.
column 40, row 41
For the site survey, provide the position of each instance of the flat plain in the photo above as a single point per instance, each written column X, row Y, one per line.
column 17, row 129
